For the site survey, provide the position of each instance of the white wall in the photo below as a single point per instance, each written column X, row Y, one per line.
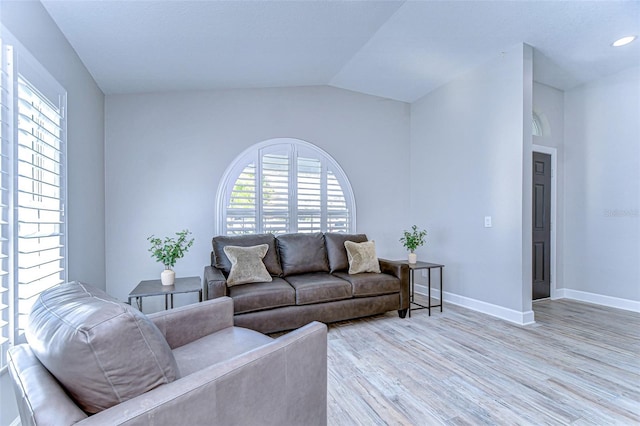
column 166, row 152
column 602, row 187
column 467, row 163
column 31, row 25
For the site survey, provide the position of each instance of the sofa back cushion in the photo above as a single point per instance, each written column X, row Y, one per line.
column 101, row 350
column 221, row 261
column 302, row 253
column 336, row 252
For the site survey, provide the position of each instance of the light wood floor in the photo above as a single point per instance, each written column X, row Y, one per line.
column 579, row 364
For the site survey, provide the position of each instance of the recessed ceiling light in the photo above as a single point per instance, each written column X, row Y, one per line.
column 623, row 41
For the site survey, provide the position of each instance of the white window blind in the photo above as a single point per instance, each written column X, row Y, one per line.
column 337, row 209
column 6, row 332
column 40, row 196
column 275, row 193
column 281, row 186
column 241, row 208
column 33, row 187
column 311, row 198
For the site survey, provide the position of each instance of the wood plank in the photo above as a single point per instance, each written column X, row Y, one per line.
column 578, row 364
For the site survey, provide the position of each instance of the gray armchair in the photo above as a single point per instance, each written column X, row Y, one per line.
column 227, row 376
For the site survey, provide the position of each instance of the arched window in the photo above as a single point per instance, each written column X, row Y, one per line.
column 281, row 186
column 537, row 125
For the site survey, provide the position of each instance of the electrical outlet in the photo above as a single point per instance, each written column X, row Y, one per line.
column 424, row 273
column 487, row 222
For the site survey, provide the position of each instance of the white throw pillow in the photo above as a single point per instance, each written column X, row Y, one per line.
column 362, row 257
column 247, row 265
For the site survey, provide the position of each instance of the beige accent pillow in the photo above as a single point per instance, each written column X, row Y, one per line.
column 247, row 265
column 362, row 257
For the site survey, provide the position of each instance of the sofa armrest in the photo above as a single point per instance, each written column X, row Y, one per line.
column 401, row 271
column 215, row 283
column 188, row 323
column 281, row 383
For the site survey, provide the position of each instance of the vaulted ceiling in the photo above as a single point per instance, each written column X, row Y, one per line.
column 395, row 49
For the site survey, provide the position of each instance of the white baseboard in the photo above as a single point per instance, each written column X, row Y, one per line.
column 520, row 318
column 526, row 318
column 15, row 422
column 598, row 299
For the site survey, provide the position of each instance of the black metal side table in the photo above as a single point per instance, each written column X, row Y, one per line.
column 428, row 266
column 155, row 288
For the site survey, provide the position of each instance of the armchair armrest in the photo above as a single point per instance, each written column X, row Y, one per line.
column 215, row 284
column 188, row 323
column 281, row 383
column 41, row 399
column 401, row 271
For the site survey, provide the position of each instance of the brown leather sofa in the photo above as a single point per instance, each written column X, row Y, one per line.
column 310, row 282
column 92, row 360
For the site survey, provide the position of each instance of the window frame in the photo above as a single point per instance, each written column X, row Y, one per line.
column 254, row 154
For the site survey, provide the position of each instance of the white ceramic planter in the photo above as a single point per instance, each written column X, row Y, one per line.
column 413, row 258
column 168, row 277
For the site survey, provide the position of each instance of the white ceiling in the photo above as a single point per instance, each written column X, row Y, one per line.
column 394, row 49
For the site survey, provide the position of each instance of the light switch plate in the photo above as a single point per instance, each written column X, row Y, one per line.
column 487, row 222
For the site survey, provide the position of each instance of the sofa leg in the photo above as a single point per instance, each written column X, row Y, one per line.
column 402, row 313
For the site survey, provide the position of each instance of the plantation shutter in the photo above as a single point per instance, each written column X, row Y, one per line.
column 311, row 199
column 241, row 208
column 275, row 193
column 6, row 294
column 337, row 210
column 40, row 213
column 32, row 187
column 295, row 187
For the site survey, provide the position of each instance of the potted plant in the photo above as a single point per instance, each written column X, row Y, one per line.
column 412, row 240
column 169, row 250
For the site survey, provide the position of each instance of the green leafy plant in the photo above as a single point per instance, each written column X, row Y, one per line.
column 414, row 239
column 169, row 250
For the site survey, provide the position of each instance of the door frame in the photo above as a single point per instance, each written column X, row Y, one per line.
column 553, row 152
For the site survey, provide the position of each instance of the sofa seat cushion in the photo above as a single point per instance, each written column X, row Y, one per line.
column 371, row 284
column 217, row 347
column 336, row 251
column 319, row 287
column 302, row 253
column 221, row 261
column 94, row 344
column 258, row 296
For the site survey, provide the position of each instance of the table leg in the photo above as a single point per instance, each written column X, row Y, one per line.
column 171, row 300
column 411, row 292
column 139, row 303
column 441, row 294
column 429, row 292
column 166, row 302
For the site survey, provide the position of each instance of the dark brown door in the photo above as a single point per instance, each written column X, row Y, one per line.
column 541, row 225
